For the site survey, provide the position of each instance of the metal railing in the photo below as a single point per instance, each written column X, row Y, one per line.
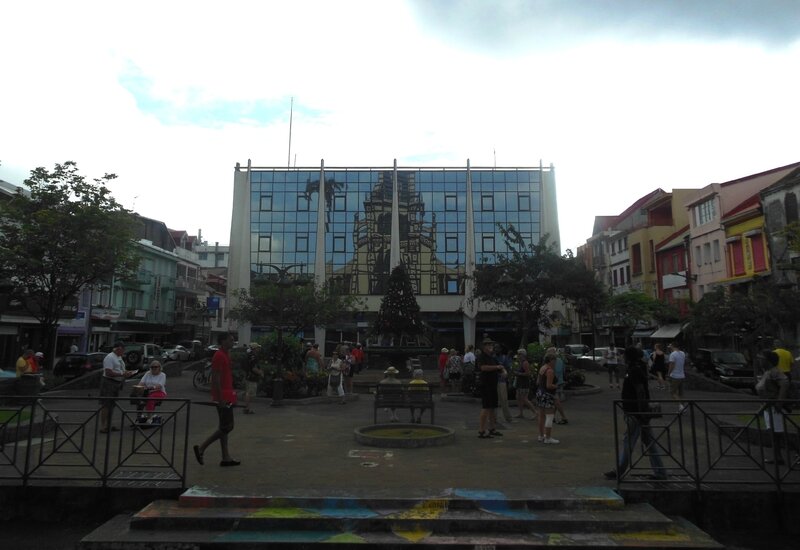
column 713, row 442
column 50, row 440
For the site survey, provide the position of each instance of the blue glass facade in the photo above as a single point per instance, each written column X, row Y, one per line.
column 283, row 219
column 431, row 231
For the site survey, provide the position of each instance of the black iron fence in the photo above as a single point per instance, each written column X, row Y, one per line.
column 49, row 440
column 711, row 442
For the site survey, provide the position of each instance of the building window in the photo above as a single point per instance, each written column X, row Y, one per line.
column 202, row 256
column 452, row 285
column 636, row 258
column 759, row 257
column 301, row 245
column 737, row 258
column 265, row 243
column 652, row 257
column 451, row 242
column 790, row 207
column 698, row 257
column 628, row 273
column 487, row 203
column 302, row 203
column 716, row 251
column 339, row 203
column 704, row 212
column 706, row 253
column 266, row 203
column 615, row 277
column 487, row 243
column 450, row 202
column 338, row 243
column 613, row 252
column 524, row 202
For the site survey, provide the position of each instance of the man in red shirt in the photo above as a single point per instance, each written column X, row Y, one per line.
column 223, row 394
column 358, row 357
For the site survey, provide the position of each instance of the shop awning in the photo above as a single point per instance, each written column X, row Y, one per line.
column 667, row 331
column 642, row 333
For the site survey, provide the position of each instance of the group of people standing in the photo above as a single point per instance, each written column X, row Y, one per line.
column 346, row 361
column 494, row 373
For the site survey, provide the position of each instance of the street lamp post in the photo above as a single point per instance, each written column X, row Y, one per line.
column 282, row 281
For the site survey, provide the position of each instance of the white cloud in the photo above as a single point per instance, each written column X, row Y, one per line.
column 115, row 89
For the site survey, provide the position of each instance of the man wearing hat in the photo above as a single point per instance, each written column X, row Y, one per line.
column 490, row 370
column 391, row 378
column 114, row 375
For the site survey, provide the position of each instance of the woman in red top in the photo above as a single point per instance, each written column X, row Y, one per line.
column 222, row 392
column 443, row 357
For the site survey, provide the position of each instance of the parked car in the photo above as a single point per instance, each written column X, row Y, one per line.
column 195, row 348
column 73, row 365
column 573, row 352
column 598, row 355
column 728, row 366
column 175, row 353
column 140, row 355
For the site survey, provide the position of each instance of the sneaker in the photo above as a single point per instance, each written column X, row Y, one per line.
column 495, row 433
column 540, row 439
column 484, row 435
column 611, row 474
column 551, row 441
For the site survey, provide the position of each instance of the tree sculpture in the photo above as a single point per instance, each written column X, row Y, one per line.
column 67, row 234
column 399, row 312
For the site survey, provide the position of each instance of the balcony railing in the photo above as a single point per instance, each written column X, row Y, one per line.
column 194, row 286
column 147, row 315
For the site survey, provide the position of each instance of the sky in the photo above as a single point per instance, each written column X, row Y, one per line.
column 621, row 97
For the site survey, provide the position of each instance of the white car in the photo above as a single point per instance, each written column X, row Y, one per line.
column 176, row 353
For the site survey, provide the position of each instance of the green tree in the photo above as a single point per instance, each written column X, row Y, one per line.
column 289, row 307
column 524, row 279
column 632, row 308
column 68, row 234
column 399, row 313
column 753, row 318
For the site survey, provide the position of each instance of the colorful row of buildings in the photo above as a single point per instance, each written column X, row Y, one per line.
column 678, row 246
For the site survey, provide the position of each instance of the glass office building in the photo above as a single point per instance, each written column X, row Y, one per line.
column 348, row 227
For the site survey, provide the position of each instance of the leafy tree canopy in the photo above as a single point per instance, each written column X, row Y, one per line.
column 399, row 313
column 755, row 317
column 67, row 234
column 632, row 308
column 290, row 308
column 526, row 277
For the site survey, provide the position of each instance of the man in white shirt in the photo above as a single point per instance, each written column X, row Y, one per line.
column 676, row 373
column 114, row 375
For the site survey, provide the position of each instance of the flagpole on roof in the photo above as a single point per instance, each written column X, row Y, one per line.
column 291, row 112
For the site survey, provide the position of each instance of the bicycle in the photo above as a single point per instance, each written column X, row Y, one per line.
column 202, row 377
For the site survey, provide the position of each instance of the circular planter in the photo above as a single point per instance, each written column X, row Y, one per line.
column 404, row 436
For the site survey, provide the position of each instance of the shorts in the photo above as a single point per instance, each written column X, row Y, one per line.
column 250, row 388
column 109, row 388
column 489, row 398
column 676, row 386
column 545, row 400
column 225, row 415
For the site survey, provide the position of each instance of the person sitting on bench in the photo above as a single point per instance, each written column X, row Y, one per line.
column 391, row 373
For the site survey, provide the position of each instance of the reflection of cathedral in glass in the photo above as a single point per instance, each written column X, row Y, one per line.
column 356, row 239
column 372, row 239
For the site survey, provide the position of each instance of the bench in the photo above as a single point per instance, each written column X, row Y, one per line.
column 403, row 396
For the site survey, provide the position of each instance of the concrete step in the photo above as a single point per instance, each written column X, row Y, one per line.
column 434, row 516
column 566, row 517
